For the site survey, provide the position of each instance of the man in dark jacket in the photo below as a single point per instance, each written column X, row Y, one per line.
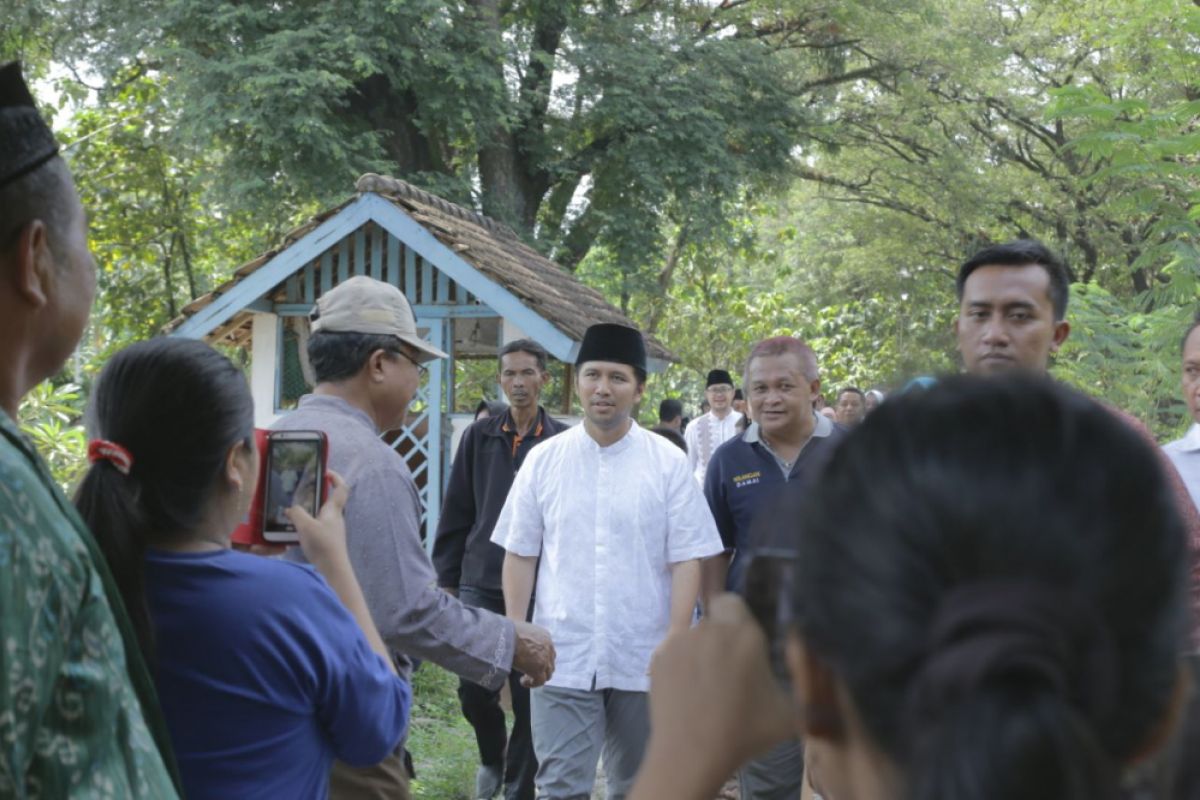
column 468, row 563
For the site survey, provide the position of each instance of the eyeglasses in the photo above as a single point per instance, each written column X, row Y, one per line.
column 421, row 368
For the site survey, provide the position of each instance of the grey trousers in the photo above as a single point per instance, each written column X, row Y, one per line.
column 572, row 726
column 777, row 775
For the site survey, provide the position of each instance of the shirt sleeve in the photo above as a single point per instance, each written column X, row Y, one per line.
column 718, row 503
column 521, row 526
column 692, row 439
column 41, row 589
column 413, row 615
column 691, row 532
column 458, row 515
column 361, row 703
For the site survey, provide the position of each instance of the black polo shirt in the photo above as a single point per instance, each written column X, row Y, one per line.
column 744, row 478
column 489, row 455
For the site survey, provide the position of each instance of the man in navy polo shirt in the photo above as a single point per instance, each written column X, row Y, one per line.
column 781, row 450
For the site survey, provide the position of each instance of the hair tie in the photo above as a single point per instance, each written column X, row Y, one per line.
column 104, row 450
column 1015, row 629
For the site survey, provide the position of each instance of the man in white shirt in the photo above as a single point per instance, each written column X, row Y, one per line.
column 708, row 432
column 608, row 517
column 1185, row 453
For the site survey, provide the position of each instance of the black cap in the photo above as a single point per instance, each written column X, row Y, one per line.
column 609, row 342
column 717, row 377
column 737, row 395
column 25, row 139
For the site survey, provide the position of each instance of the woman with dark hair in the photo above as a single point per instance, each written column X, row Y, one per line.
column 987, row 601
column 265, row 674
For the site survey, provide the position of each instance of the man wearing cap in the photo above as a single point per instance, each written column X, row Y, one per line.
column 469, row 563
column 609, row 519
column 368, row 361
column 78, row 712
column 708, row 432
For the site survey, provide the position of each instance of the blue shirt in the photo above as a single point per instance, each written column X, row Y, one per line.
column 744, row 478
column 265, row 677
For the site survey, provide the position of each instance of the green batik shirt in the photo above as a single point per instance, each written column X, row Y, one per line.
column 72, row 723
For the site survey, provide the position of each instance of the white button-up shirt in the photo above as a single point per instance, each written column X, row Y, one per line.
column 704, row 435
column 1185, row 455
column 608, row 523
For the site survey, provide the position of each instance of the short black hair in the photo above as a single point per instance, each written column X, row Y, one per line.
column 1022, row 253
column 339, row 355
column 526, row 346
column 853, row 389
column 669, row 409
column 42, row 194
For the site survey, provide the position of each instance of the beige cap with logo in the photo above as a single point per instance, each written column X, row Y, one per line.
column 365, row 305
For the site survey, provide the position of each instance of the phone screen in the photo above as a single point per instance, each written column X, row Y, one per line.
column 293, row 479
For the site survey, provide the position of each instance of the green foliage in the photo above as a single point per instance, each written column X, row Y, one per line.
column 1126, row 357
column 50, row 416
column 441, row 741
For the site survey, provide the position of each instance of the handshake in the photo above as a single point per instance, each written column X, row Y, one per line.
column 533, row 655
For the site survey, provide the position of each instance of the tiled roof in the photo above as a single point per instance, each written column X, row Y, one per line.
column 487, row 245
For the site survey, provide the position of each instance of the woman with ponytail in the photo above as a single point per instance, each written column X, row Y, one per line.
column 986, row 602
column 267, row 670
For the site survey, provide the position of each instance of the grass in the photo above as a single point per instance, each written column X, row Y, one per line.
column 440, row 740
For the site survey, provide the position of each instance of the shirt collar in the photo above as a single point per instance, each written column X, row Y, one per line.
column 329, row 402
column 822, row 427
column 1191, row 440
column 506, row 423
column 619, row 446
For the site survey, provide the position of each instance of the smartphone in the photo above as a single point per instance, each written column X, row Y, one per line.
column 294, row 476
column 768, row 593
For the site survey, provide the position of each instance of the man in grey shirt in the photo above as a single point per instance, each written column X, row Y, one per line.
column 366, row 357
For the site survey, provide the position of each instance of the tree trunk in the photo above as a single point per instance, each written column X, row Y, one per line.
column 665, row 277
column 394, row 113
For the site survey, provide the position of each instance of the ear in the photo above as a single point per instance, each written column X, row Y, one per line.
column 814, row 388
column 33, row 263
column 237, row 467
column 374, row 366
column 816, row 693
column 1062, row 330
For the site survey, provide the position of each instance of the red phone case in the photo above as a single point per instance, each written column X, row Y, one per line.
column 250, row 531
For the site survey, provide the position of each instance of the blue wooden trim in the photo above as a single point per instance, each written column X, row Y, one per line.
column 410, row 275
column 392, row 275
column 280, row 355
column 360, row 252
column 266, row 277
column 326, row 271
column 420, row 310
column 427, row 279
column 310, row 283
column 505, row 303
column 377, row 252
column 344, row 259
column 436, row 411
column 443, row 287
